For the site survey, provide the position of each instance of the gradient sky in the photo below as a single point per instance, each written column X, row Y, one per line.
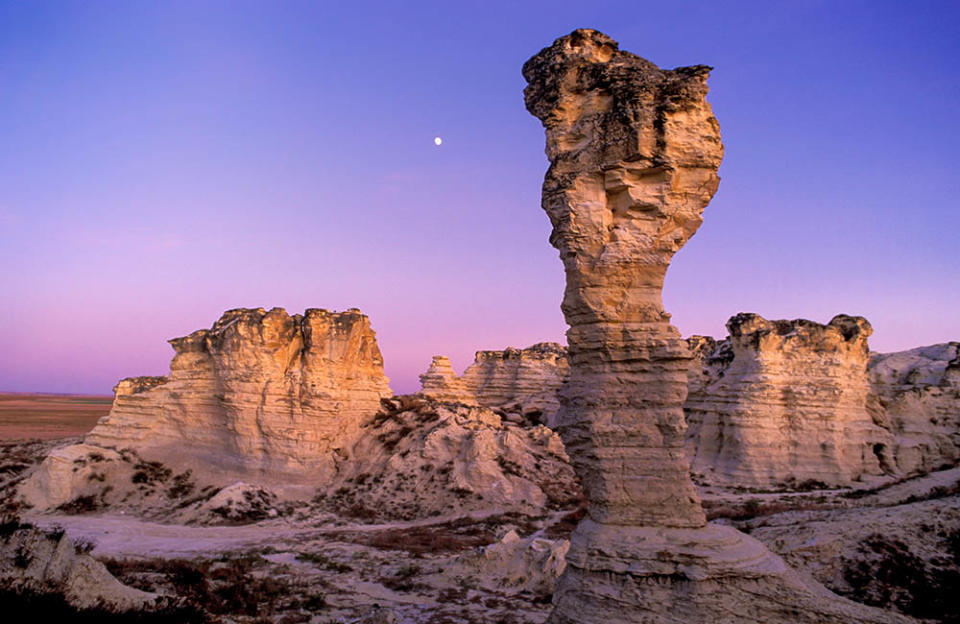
column 161, row 162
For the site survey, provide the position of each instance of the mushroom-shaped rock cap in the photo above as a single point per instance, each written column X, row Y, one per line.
column 624, row 95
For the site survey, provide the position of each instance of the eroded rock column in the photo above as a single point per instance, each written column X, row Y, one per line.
column 634, row 152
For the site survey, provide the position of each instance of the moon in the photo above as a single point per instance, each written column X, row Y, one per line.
column 437, row 141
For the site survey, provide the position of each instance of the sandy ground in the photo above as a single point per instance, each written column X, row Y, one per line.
column 49, row 416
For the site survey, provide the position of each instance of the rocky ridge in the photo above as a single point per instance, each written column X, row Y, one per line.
column 634, row 152
column 424, row 458
column 48, row 562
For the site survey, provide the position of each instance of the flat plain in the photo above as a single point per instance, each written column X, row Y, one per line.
column 49, row 416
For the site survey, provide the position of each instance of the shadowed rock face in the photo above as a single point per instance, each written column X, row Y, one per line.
column 919, row 390
column 786, row 402
column 634, row 152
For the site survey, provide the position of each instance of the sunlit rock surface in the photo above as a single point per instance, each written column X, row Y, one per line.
column 262, row 394
column 442, row 383
column 634, row 152
column 521, row 382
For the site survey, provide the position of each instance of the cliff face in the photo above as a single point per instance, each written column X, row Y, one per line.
column 523, row 382
column 260, row 393
column 919, row 390
column 634, row 152
column 785, row 403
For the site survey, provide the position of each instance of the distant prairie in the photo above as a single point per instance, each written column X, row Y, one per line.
column 49, row 416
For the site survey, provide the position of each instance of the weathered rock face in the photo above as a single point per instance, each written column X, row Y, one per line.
column 523, row 382
column 520, row 380
column 48, row 563
column 442, row 383
column 920, row 392
column 421, row 457
column 260, row 393
column 785, row 403
column 634, row 152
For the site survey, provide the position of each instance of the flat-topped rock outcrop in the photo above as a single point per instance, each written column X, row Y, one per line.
column 523, row 382
column 783, row 403
column 262, row 394
column 520, row 380
column 634, row 152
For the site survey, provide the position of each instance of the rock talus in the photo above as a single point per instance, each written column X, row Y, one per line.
column 634, row 152
column 786, row 403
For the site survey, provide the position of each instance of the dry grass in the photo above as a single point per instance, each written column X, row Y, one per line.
column 48, row 416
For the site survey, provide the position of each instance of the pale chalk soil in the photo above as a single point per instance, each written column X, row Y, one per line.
column 895, row 545
column 300, row 563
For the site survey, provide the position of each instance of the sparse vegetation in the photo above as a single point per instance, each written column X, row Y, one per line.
column 891, row 575
column 325, row 562
column 150, row 473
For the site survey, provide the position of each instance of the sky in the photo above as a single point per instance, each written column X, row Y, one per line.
column 161, row 162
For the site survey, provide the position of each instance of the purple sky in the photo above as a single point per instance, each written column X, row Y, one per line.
column 161, row 162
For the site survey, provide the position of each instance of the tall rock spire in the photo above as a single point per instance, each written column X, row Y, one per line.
column 634, row 152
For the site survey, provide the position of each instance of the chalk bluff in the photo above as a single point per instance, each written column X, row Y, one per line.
column 260, row 394
column 522, row 383
column 785, row 403
column 634, row 152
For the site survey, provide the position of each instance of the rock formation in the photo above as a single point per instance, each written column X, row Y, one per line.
column 919, row 390
column 48, row 563
column 423, row 458
column 634, row 152
column 442, row 383
column 520, row 380
column 524, row 382
column 785, row 403
column 260, row 394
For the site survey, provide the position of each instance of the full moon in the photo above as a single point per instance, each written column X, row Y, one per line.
column 437, row 141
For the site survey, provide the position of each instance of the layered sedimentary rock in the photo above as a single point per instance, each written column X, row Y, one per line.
column 634, row 152
column 785, row 403
column 260, row 393
column 519, row 381
column 442, row 383
column 919, row 391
